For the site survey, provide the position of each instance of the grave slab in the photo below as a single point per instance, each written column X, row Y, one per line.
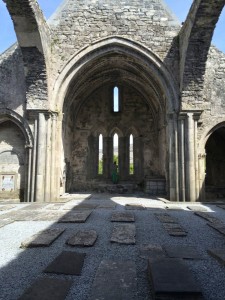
column 50, row 216
column 134, row 206
column 67, row 263
column 107, row 206
column 197, row 208
column 122, row 217
column 115, row 280
column 174, row 207
column 34, row 206
column 6, row 207
column 81, row 206
column 123, row 234
column 55, row 206
column 220, row 227
column 171, row 279
column 207, row 216
column 47, row 288
column 5, row 222
column 165, row 218
column 43, row 238
column 83, row 238
column 218, row 254
column 75, row 217
column 180, row 251
column 177, row 232
column 151, row 252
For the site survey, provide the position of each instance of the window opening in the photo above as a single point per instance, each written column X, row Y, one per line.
column 116, row 99
column 100, row 155
column 131, row 155
column 115, row 149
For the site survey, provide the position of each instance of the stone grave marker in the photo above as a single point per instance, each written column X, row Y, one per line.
column 220, row 227
column 34, row 206
column 182, row 251
column 122, row 216
column 197, row 208
column 75, row 217
column 171, row 279
column 43, row 238
column 151, row 252
column 115, row 280
column 83, row 238
column 106, row 205
column 67, row 263
column 134, row 206
column 218, row 254
column 47, row 288
column 123, row 234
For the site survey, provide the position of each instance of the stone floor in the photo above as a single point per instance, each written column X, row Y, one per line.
column 106, row 247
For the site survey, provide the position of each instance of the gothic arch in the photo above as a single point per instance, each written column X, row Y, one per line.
column 195, row 40
column 146, row 59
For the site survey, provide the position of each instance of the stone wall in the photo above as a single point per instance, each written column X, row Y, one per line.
column 95, row 117
column 78, row 24
column 12, row 159
column 12, row 80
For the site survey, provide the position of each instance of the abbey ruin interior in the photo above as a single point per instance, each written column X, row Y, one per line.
column 98, row 71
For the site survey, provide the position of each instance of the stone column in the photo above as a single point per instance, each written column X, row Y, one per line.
column 182, row 159
column 173, row 168
column 41, row 155
column 202, row 174
column 138, row 157
column 108, row 156
column 54, row 174
column 48, row 161
column 29, row 168
column 33, row 184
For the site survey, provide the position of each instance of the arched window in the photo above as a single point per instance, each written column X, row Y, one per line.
column 116, row 100
column 116, row 149
column 131, row 154
column 100, row 154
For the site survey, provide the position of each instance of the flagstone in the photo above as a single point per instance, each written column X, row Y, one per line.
column 218, row 254
column 171, row 279
column 122, row 216
column 67, row 263
column 150, row 251
column 75, row 217
column 115, row 280
column 83, row 238
column 47, row 288
column 123, row 234
column 182, row 251
column 43, row 238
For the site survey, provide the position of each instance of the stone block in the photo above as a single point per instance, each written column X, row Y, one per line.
column 83, row 238
column 115, row 280
column 123, row 234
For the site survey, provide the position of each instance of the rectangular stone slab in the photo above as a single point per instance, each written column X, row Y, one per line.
column 75, row 217
column 122, row 216
column 83, row 238
column 67, row 263
column 218, row 226
column 123, row 234
column 34, row 206
column 207, row 216
column 115, row 280
column 55, row 206
column 171, row 279
column 6, row 207
column 43, row 238
column 197, row 208
column 47, row 288
column 107, row 205
column 165, row 218
column 151, row 252
column 218, row 254
column 180, row 251
column 134, row 206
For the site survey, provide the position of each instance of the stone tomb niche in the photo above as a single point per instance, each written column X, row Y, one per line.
column 215, row 164
column 11, row 161
column 94, row 117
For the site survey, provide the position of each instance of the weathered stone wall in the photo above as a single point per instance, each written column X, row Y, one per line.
column 96, row 117
column 213, row 101
column 12, row 80
column 12, row 157
column 79, row 24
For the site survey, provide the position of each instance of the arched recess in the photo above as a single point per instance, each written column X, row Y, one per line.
column 84, row 94
column 33, row 36
column 195, row 40
column 16, row 145
column 214, row 163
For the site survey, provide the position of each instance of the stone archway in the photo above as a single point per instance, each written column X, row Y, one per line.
column 148, row 100
column 215, row 164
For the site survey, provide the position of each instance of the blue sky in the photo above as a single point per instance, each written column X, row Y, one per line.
column 179, row 7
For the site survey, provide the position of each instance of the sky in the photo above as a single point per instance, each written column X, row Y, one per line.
column 179, row 7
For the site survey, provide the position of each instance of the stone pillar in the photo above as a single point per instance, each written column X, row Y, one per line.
column 202, row 174
column 173, row 157
column 28, row 176
column 33, row 184
column 108, row 157
column 48, row 161
column 182, row 158
column 138, row 157
column 41, row 155
column 190, row 161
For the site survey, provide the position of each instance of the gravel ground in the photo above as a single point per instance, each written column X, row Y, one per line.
column 20, row 268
